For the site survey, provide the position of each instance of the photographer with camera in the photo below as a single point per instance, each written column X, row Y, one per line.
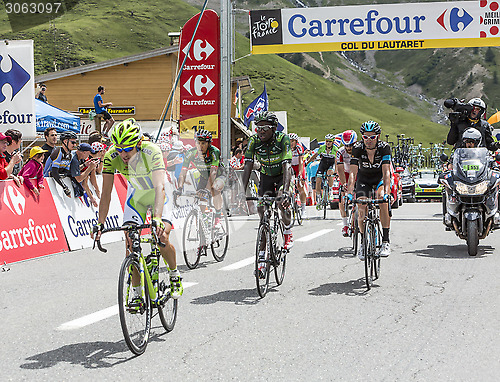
column 469, row 115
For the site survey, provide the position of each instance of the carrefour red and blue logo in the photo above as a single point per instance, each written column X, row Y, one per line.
column 455, row 19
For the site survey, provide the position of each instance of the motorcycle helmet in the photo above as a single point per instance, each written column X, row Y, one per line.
column 472, row 135
column 478, row 102
column 349, row 137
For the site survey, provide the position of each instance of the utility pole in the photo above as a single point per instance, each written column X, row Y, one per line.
column 226, row 60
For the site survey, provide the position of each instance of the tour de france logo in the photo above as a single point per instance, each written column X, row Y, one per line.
column 266, row 27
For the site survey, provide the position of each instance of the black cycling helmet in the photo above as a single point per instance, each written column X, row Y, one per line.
column 68, row 135
column 203, row 135
column 267, row 116
column 370, row 126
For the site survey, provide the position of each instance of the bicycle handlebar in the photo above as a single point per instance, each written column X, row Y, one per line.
column 126, row 228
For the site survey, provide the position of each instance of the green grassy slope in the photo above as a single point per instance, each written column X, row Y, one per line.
column 99, row 30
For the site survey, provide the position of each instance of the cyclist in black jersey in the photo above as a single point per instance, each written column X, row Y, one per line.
column 272, row 149
column 370, row 169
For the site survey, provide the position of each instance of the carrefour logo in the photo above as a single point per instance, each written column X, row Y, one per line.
column 16, row 77
column 200, row 86
column 456, row 20
column 201, row 50
column 14, row 200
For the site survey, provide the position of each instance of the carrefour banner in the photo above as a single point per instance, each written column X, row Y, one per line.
column 376, row 27
column 17, row 94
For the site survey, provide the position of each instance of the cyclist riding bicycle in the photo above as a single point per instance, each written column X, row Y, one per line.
column 370, row 170
column 327, row 153
column 141, row 163
column 206, row 158
column 299, row 169
column 272, row 150
column 349, row 138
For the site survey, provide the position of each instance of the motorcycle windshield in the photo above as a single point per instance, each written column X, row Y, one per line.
column 470, row 164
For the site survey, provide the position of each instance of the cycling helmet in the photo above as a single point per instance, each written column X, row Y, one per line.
column 478, row 102
column 267, row 116
column 349, row 137
column 473, row 135
column 293, row 137
column 329, row 137
column 68, row 135
column 98, row 146
column 126, row 133
column 370, row 126
column 203, row 135
column 164, row 137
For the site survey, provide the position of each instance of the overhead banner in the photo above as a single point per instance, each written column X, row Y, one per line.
column 17, row 94
column 376, row 27
column 200, row 78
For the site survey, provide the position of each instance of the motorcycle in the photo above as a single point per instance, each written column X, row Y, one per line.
column 470, row 203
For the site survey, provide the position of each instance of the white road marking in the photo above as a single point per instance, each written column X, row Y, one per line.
column 315, row 235
column 239, row 264
column 99, row 316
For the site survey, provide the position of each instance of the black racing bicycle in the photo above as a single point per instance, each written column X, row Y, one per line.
column 352, row 224
column 372, row 239
column 270, row 248
column 143, row 286
column 297, row 204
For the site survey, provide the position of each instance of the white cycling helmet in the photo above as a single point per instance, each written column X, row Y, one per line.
column 329, row 137
column 293, row 137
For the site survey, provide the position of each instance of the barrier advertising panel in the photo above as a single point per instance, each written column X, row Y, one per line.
column 200, row 78
column 17, row 101
column 376, row 27
column 77, row 219
column 30, row 226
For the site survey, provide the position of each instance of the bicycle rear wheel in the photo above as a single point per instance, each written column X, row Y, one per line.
column 369, row 249
column 221, row 239
column 355, row 236
column 167, row 306
column 262, row 275
column 135, row 314
column 279, row 253
column 192, row 247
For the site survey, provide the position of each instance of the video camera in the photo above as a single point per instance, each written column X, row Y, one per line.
column 460, row 109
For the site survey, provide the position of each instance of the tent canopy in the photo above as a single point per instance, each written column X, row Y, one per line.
column 50, row 116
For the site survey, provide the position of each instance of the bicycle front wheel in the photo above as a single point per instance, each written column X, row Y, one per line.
column 377, row 239
column 220, row 239
column 355, row 235
column 369, row 249
column 135, row 310
column 279, row 253
column 263, row 262
column 192, row 247
column 167, row 306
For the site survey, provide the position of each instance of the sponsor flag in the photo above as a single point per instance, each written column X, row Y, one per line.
column 259, row 104
column 494, row 118
column 237, row 102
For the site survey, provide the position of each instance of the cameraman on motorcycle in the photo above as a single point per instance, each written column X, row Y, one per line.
column 466, row 116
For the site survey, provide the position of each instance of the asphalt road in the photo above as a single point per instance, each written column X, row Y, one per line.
column 432, row 315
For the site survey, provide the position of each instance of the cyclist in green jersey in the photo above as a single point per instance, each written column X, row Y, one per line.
column 206, row 158
column 141, row 163
column 327, row 153
column 272, row 149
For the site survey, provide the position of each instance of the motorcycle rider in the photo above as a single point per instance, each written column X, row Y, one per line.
column 471, row 115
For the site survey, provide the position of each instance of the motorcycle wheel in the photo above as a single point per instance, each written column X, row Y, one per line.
column 472, row 237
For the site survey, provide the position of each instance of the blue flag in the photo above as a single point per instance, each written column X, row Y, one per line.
column 259, row 104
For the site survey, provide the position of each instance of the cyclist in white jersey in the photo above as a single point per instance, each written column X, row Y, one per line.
column 343, row 159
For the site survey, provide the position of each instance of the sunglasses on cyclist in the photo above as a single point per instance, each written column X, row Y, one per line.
column 124, row 149
column 370, row 136
column 263, row 127
column 72, row 142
